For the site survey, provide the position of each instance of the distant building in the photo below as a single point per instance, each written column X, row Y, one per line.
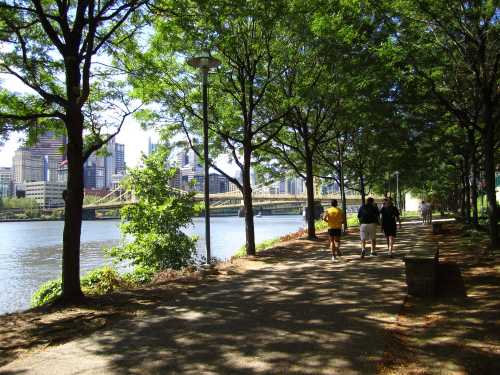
column 94, row 172
column 50, row 144
column 46, row 194
column 152, row 147
column 116, row 179
column 218, row 183
column 27, row 167
column 5, row 182
column 100, row 169
column 191, row 171
column 40, row 162
column 175, row 181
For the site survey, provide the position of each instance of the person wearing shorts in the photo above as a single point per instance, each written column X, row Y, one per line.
column 334, row 216
column 368, row 216
column 390, row 214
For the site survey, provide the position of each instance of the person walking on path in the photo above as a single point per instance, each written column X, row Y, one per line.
column 389, row 214
column 428, row 210
column 334, row 216
column 422, row 207
column 368, row 216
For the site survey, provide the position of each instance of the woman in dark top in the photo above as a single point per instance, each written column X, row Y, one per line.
column 389, row 215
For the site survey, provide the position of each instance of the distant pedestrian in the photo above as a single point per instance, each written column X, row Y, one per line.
column 390, row 214
column 422, row 207
column 334, row 216
column 428, row 211
column 368, row 216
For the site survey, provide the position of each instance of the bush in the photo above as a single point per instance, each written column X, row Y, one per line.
column 98, row 281
column 47, row 293
column 156, row 220
column 101, row 281
column 140, row 275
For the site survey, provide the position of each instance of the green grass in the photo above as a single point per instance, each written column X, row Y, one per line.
column 259, row 247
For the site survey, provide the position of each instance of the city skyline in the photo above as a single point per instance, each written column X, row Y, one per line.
column 132, row 136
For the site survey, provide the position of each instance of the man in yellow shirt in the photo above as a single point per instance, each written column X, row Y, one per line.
column 334, row 216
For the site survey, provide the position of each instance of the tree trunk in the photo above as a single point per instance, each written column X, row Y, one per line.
column 362, row 188
column 73, row 209
column 467, row 189
column 462, row 191
column 341, row 183
column 247, row 202
column 311, row 230
column 489, row 156
column 475, row 178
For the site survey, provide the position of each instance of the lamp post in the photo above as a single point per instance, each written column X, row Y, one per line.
column 398, row 203
column 205, row 62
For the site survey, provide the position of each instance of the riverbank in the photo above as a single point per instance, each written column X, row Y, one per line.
column 361, row 323
column 30, row 252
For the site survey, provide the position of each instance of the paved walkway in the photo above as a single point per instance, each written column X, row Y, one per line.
column 290, row 312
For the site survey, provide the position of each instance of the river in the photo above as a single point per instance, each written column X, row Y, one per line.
column 30, row 252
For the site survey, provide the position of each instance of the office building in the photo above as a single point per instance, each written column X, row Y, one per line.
column 5, row 182
column 152, row 147
column 46, row 194
column 100, row 170
column 26, row 167
column 40, row 162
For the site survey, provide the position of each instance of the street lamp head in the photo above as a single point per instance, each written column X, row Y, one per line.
column 204, row 61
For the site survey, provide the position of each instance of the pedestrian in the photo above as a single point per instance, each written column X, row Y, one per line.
column 390, row 214
column 422, row 207
column 368, row 216
column 334, row 216
column 428, row 213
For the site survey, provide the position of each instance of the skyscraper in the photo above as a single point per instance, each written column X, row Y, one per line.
column 5, row 182
column 151, row 146
column 100, row 170
column 50, row 144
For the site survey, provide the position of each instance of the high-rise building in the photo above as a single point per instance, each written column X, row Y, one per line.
column 100, row 170
column 40, row 162
column 119, row 158
column 94, row 173
column 218, row 183
column 5, row 182
column 190, row 169
column 27, row 167
column 151, row 146
column 50, row 144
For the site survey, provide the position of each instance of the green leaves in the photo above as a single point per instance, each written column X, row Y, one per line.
column 156, row 221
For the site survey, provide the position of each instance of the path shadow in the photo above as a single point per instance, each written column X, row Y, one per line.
column 450, row 281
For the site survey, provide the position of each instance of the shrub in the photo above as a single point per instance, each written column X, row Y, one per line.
column 98, row 281
column 140, row 275
column 47, row 292
column 156, row 220
column 101, row 281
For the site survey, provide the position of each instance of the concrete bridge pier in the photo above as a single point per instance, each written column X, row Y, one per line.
column 88, row 214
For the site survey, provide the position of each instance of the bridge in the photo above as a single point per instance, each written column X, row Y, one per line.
column 230, row 203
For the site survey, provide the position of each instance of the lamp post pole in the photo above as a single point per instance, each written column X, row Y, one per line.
column 204, row 63
column 206, row 187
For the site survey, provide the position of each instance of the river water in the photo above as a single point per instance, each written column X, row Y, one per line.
column 30, row 252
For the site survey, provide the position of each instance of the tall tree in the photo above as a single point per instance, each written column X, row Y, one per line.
column 51, row 48
column 245, row 37
column 454, row 48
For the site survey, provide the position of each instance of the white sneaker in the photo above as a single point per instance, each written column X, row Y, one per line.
column 334, row 259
